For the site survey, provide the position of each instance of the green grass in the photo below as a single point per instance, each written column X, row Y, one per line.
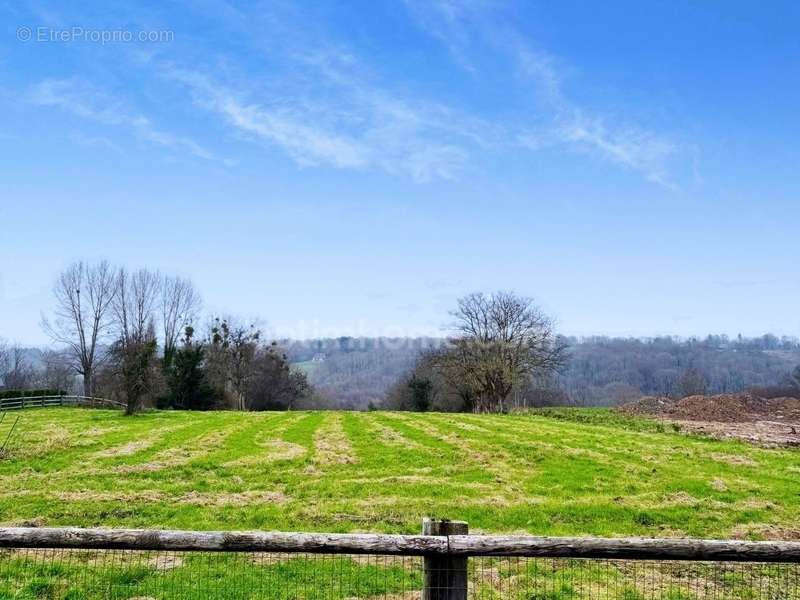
column 552, row 472
column 97, row 576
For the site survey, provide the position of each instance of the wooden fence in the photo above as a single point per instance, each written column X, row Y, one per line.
column 51, row 401
column 444, row 547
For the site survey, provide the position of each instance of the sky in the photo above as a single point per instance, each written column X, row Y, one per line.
column 353, row 168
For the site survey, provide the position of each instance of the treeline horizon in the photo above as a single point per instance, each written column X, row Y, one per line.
column 602, row 370
column 140, row 337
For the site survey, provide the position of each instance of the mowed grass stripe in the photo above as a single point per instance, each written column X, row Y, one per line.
column 385, row 435
column 242, row 441
column 415, row 428
column 502, row 473
column 263, row 443
column 69, row 450
column 194, row 428
column 331, row 444
column 380, row 446
column 391, row 473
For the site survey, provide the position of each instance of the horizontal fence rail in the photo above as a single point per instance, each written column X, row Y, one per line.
column 52, row 401
column 444, row 563
column 409, row 545
column 218, row 541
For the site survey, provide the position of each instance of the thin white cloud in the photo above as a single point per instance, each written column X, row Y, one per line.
column 634, row 148
column 86, row 101
column 357, row 126
column 571, row 125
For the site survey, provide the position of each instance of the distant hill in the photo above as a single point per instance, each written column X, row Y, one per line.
column 352, row 372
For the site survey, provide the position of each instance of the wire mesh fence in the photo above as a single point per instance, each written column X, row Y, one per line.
column 70, row 574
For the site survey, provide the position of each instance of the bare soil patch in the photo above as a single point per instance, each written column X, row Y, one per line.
column 768, row 434
column 770, row 422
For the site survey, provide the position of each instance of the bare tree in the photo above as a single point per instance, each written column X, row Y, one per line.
column 57, row 373
column 231, row 356
column 692, row 383
column 19, row 373
column 84, row 294
column 501, row 339
column 3, row 362
column 180, row 303
column 134, row 303
column 134, row 351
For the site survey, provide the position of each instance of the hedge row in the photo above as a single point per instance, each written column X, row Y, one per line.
column 30, row 393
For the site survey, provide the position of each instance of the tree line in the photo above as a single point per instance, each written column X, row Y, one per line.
column 601, row 371
column 133, row 336
column 137, row 336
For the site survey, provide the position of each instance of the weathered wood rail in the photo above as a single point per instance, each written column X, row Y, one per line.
column 408, row 545
column 444, row 546
column 52, row 401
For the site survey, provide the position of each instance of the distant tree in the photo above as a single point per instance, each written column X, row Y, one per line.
column 134, row 350
column 692, row 383
column 134, row 362
column 231, row 354
column 187, row 385
column 500, row 340
column 275, row 385
column 538, row 391
column 83, row 315
column 179, row 305
column 421, row 390
column 57, row 374
column 452, row 365
column 19, row 373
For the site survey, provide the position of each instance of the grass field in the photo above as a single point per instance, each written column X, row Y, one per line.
column 559, row 473
column 554, row 472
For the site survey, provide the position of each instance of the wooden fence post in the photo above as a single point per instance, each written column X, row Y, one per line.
column 445, row 577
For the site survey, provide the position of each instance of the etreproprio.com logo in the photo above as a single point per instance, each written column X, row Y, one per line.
column 94, row 36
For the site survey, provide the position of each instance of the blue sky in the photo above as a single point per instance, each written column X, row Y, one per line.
column 352, row 168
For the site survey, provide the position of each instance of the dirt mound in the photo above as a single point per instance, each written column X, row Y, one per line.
column 723, row 408
column 648, row 406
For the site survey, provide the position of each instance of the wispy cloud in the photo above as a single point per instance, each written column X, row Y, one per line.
column 568, row 124
column 88, row 102
column 356, row 125
column 630, row 147
column 324, row 104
